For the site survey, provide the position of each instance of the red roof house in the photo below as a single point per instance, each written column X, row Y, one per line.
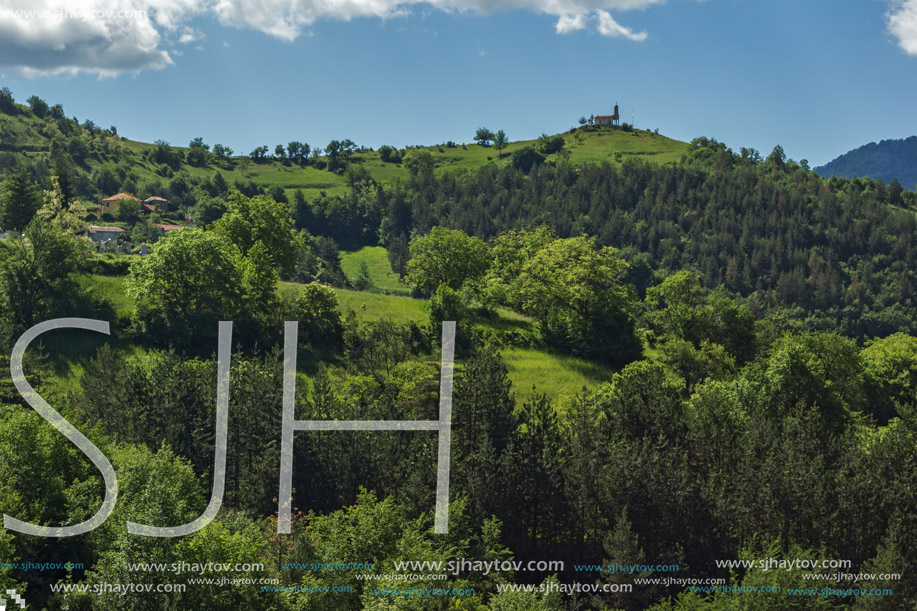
column 110, row 204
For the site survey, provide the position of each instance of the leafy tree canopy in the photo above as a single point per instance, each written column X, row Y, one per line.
column 189, row 281
column 483, row 136
column 261, row 219
column 576, row 291
column 446, row 256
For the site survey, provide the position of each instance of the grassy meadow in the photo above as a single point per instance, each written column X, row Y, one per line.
column 70, row 351
column 380, row 270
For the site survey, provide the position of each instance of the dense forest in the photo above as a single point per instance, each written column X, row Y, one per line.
column 752, row 326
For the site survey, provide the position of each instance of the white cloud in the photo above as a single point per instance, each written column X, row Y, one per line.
column 609, row 27
column 104, row 37
column 902, row 23
column 189, row 35
column 570, row 23
column 109, row 37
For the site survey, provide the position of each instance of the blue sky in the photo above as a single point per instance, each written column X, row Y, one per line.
column 818, row 78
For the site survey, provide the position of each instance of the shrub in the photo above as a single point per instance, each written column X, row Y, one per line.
column 385, row 153
column 548, row 145
column 109, row 264
column 526, row 158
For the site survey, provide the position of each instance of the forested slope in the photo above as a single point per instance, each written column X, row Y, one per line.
column 894, row 161
column 838, row 253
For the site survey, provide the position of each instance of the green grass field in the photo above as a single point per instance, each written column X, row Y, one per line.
column 68, row 351
column 615, row 146
column 373, row 306
column 558, row 377
column 111, row 288
column 380, row 270
column 507, row 320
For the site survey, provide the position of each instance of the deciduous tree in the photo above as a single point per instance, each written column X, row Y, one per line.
column 483, row 136
column 261, row 218
column 500, row 142
column 189, row 282
column 446, row 256
column 576, row 292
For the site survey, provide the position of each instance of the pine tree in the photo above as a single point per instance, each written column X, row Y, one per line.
column 259, row 281
column 19, row 200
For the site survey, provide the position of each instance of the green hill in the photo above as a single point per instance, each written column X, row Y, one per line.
column 106, row 163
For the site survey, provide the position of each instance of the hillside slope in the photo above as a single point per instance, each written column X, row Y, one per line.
column 106, row 162
column 888, row 160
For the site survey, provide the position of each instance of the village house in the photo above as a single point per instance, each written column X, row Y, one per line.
column 110, row 204
column 103, row 234
column 152, row 204
column 155, row 204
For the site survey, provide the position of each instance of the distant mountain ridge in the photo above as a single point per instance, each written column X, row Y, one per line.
column 889, row 159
